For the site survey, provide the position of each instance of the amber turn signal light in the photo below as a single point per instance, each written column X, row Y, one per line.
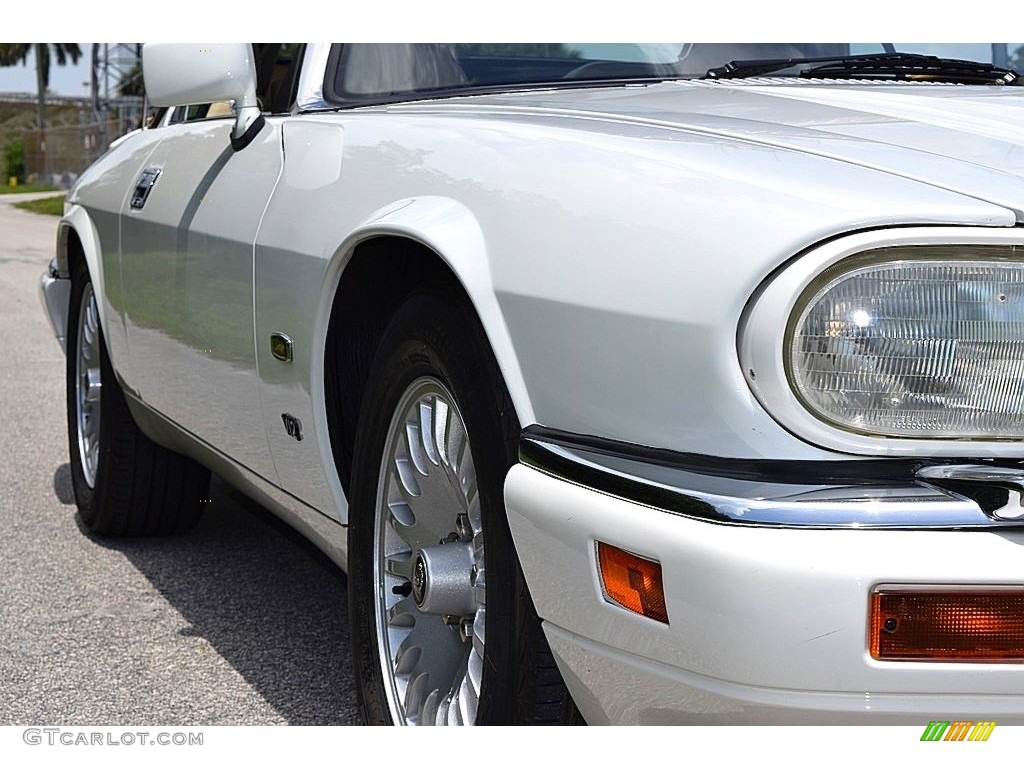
column 985, row 624
column 632, row 582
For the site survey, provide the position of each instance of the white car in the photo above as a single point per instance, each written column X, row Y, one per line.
column 674, row 383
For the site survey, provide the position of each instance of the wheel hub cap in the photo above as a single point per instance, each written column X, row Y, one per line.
column 441, row 580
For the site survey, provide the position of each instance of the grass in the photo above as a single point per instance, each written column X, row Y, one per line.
column 24, row 188
column 53, row 206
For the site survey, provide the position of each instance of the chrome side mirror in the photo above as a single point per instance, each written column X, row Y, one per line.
column 201, row 73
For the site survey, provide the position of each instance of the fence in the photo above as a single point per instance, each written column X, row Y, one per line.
column 58, row 155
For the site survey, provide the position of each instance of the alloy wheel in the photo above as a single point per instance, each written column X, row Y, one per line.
column 88, row 385
column 429, row 562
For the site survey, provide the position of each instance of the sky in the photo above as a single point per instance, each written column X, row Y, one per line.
column 69, row 80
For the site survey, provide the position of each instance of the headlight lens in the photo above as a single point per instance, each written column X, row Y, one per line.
column 914, row 341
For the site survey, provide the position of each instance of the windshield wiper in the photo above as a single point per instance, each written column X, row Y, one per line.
column 875, row 66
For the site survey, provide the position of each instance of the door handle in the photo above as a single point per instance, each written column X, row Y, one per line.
column 144, row 186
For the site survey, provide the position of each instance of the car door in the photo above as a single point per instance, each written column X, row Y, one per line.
column 288, row 290
column 187, row 234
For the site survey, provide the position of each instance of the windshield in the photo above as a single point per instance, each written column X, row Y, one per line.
column 367, row 72
column 1000, row 54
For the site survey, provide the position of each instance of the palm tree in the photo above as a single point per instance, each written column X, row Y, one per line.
column 12, row 53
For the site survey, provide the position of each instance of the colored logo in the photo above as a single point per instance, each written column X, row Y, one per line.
column 958, row 730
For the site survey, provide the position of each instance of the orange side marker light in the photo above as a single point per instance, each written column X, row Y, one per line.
column 632, row 582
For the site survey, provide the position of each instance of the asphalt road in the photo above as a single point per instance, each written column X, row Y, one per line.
column 239, row 622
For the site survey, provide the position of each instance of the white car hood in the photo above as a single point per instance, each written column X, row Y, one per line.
column 966, row 139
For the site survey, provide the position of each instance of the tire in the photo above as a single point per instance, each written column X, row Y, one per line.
column 125, row 484
column 429, row 572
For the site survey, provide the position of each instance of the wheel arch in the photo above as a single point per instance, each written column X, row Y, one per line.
column 77, row 238
column 393, row 253
column 78, row 241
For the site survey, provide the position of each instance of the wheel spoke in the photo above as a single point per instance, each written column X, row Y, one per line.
column 475, row 671
column 467, row 477
column 426, row 431
column 458, row 446
column 400, row 565
column 416, row 693
column 402, row 514
column 407, row 482
column 407, row 659
column 402, row 614
column 478, row 632
column 428, row 716
column 480, row 586
column 467, row 702
column 414, row 446
column 475, row 518
column 454, row 715
column 92, row 385
column 441, row 427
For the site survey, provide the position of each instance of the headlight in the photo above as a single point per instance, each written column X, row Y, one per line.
column 906, row 341
column 913, row 341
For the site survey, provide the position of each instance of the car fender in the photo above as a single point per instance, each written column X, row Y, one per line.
column 78, row 220
column 450, row 230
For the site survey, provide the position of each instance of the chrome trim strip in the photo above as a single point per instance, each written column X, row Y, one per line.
column 310, row 95
column 974, row 472
column 841, row 470
column 911, row 505
column 997, row 490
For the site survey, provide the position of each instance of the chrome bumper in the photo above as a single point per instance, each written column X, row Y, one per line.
column 55, row 294
column 873, row 493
